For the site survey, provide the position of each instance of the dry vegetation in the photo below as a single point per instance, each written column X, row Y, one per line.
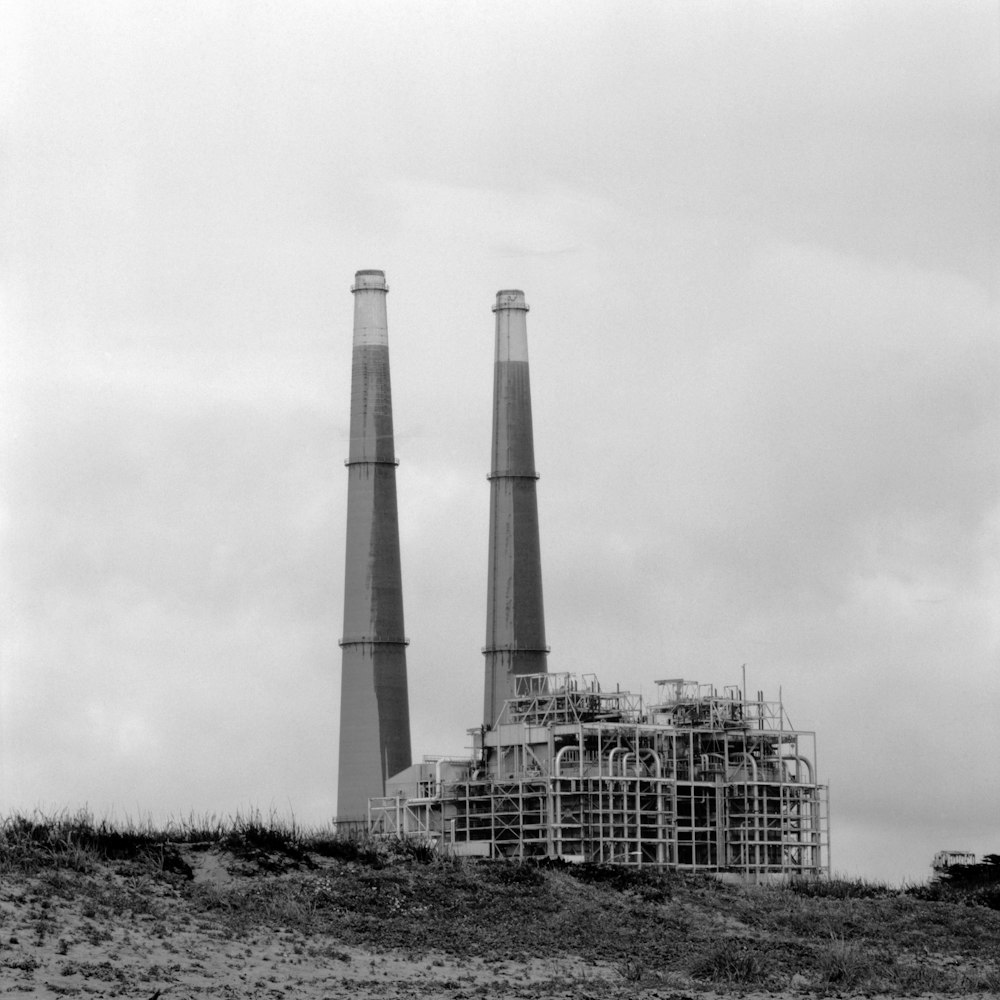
column 249, row 908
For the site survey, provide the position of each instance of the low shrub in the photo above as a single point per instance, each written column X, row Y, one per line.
column 848, row 965
column 734, row 961
column 510, row 873
column 842, row 888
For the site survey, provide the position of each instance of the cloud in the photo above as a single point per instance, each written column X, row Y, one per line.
column 170, row 583
column 759, row 250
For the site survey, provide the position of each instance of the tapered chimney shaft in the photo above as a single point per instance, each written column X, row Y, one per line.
column 374, row 705
column 515, row 621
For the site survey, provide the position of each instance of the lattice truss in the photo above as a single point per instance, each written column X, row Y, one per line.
column 698, row 781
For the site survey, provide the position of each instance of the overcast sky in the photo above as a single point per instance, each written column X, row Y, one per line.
column 760, row 246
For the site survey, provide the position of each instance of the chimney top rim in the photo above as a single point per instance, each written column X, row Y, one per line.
column 370, row 281
column 510, row 298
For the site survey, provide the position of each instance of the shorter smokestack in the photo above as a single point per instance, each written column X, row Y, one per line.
column 515, row 620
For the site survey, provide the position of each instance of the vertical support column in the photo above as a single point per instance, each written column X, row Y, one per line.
column 374, row 703
column 515, row 620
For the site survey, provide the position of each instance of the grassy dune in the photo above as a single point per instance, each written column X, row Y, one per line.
column 252, row 907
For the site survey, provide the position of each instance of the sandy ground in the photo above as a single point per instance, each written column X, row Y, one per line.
column 59, row 944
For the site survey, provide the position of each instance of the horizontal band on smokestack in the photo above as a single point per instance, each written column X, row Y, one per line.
column 365, row 641
column 516, row 649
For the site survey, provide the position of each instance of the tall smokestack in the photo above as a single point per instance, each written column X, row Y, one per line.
column 515, row 621
column 374, row 706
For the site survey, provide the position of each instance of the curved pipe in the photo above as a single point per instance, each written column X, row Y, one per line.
column 756, row 810
column 611, row 761
column 801, row 760
column 630, row 755
column 646, row 753
column 558, row 761
column 717, row 756
column 649, row 752
column 753, row 763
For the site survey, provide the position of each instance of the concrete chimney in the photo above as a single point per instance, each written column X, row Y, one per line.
column 374, row 704
column 515, row 621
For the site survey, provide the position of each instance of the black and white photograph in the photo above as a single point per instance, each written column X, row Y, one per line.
column 499, row 499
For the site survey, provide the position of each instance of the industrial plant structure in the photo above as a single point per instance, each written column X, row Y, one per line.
column 374, row 704
column 698, row 780
column 559, row 767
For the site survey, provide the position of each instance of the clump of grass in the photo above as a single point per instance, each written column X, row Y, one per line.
column 375, row 852
column 630, row 969
column 842, row 888
column 254, row 833
column 849, row 965
column 34, row 843
column 272, row 844
column 733, row 961
column 651, row 885
column 78, row 842
column 964, row 895
column 510, row 873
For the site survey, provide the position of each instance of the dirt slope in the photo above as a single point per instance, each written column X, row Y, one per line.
column 197, row 922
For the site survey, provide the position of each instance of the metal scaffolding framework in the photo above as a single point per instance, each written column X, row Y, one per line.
column 697, row 781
